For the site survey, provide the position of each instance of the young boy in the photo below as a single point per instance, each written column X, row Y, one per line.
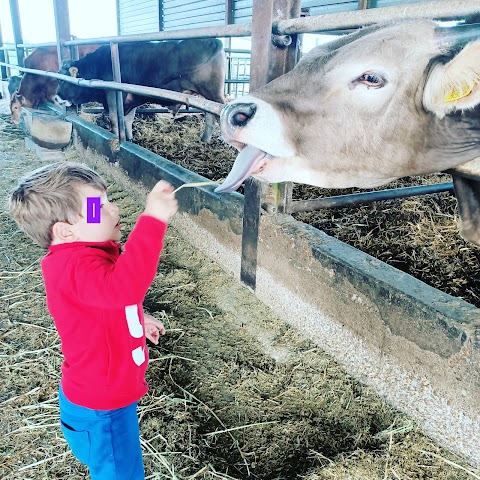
column 95, row 294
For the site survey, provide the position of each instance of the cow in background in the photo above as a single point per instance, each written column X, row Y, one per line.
column 35, row 89
column 196, row 66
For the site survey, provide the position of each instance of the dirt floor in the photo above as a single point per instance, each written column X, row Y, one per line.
column 221, row 404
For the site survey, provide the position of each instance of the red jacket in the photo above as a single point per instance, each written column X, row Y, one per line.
column 95, row 296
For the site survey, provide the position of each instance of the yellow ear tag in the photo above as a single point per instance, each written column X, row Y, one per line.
column 73, row 72
column 456, row 95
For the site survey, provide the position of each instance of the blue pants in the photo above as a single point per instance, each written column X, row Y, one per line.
column 107, row 441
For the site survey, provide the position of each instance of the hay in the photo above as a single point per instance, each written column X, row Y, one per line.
column 219, row 406
column 419, row 235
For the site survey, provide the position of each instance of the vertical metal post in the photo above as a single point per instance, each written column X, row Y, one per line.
column 74, row 55
column 251, row 225
column 117, row 77
column 160, row 16
column 261, row 38
column 227, row 42
column 3, row 70
column 363, row 4
column 17, row 31
column 117, row 11
column 267, row 63
column 7, row 59
column 62, row 27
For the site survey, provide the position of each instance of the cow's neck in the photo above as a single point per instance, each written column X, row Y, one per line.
column 453, row 140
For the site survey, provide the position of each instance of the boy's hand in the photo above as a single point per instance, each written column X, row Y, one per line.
column 161, row 202
column 153, row 328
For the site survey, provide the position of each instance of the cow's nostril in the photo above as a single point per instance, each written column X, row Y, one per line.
column 241, row 113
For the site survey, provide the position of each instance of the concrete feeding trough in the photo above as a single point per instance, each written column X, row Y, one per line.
column 47, row 132
column 417, row 347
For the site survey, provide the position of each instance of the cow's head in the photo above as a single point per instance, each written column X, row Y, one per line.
column 381, row 103
column 69, row 91
column 16, row 103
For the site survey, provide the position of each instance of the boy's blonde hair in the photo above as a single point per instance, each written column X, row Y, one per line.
column 49, row 195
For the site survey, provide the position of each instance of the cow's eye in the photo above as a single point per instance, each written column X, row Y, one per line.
column 371, row 80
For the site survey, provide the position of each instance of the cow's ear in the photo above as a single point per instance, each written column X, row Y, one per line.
column 454, row 85
column 73, row 72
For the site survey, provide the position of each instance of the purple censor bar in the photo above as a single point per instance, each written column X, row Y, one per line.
column 93, row 209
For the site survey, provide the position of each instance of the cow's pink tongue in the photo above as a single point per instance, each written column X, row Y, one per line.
column 248, row 161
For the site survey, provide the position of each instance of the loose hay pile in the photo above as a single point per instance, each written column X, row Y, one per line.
column 234, row 393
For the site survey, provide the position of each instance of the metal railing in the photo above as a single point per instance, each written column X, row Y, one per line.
column 281, row 30
column 203, row 104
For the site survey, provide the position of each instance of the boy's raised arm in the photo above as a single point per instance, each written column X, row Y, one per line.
column 98, row 281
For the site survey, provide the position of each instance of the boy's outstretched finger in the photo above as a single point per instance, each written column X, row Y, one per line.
column 163, row 186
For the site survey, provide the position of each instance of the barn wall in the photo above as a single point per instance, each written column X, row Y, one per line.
column 416, row 346
column 178, row 14
column 144, row 16
column 138, row 16
column 322, row 7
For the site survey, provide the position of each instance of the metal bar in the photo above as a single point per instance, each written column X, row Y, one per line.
column 117, row 77
column 367, row 197
column 62, row 28
column 237, row 30
column 37, row 45
column 237, row 81
column 3, row 70
column 74, row 55
column 229, row 20
column 282, row 60
column 145, row 110
column 268, row 61
column 229, row 11
column 11, row 46
column 237, row 50
column 205, row 105
column 17, row 31
column 117, row 13
column 161, row 15
column 251, row 225
column 362, row 4
column 440, row 9
column 261, row 39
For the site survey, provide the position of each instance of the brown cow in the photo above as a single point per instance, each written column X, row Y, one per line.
column 35, row 89
column 384, row 102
